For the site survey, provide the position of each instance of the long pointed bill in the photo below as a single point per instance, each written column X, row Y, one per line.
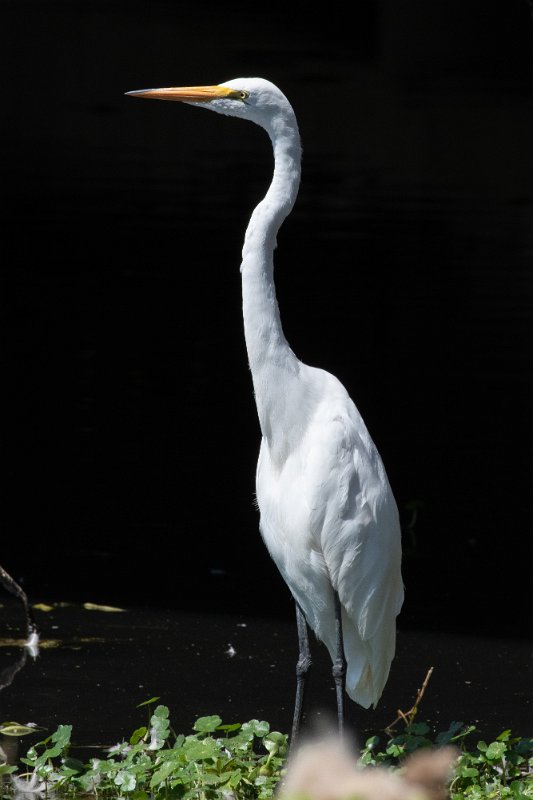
column 188, row 94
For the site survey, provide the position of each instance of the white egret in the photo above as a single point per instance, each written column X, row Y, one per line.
column 327, row 512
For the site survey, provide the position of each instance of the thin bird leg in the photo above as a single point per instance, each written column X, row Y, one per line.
column 302, row 668
column 339, row 666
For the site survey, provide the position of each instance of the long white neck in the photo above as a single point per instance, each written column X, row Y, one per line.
column 274, row 366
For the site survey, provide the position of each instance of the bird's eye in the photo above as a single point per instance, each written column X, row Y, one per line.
column 244, row 95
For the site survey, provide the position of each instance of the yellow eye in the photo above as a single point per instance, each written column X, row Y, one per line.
column 236, row 94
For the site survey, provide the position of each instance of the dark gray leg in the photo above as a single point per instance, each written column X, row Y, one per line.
column 302, row 668
column 339, row 666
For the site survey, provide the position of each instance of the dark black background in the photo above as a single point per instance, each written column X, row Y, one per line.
column 130, row 434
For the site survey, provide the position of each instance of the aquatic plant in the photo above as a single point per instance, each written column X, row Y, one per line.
column 247, row 761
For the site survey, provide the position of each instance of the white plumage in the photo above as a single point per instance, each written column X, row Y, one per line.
column 329, row 520
column 328, row 515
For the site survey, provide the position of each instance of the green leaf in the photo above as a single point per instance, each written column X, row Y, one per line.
column 207, row 724
column 212, row 779
column 7, row 769
column 61, row 736
column 276, row 736
column 74, row 764
column 199, row 750
column 126, row 780
column 271, row 745
column 519, row 790
column 160, row 728
column 138, row 734
column 450, row 735
column 464, row 733
column 504, row 736
column 148, row 702
column 467, row 772
column 495, row 751
column 258, row 728
column 524, row 747
column 372, row 742
column 61, row 740
column 418, row 728
column 395, row 750
column 241, row 742
column 229, row 728
column 235, row 778
column 163, row 773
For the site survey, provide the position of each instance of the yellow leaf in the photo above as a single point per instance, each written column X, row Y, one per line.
column 16, row 729
column 96, row 607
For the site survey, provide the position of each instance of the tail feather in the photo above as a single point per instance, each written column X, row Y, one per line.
column 368, row 661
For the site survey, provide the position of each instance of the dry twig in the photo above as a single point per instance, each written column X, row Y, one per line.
column 408, row 716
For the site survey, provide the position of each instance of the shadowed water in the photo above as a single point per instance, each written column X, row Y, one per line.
column 95, row 667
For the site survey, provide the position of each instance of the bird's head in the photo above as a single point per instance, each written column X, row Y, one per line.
column 255, row 99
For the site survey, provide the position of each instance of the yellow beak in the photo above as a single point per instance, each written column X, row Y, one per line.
column 188, row 94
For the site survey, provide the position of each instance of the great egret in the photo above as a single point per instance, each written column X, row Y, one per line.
column 328, row 515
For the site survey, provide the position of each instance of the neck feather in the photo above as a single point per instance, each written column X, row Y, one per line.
column 273, row 364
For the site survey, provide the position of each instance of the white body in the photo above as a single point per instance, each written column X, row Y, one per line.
column 329, row 520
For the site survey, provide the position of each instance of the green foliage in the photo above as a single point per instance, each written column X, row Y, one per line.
column 155, row 763
column 501, row 769
column 245, row 762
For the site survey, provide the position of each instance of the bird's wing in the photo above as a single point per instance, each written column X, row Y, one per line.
column 357, row 520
